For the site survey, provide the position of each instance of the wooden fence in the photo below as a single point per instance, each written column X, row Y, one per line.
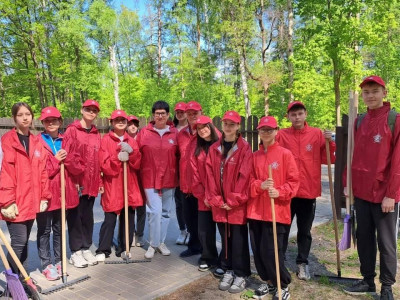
column 249, row 132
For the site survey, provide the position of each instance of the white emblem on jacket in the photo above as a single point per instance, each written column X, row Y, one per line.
column 171, row 141
column 37, row 153
column 309, row 147
column 377, row 138
column 275, row 165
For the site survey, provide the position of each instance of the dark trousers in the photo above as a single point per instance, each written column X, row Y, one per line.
column 190, row 212
column 121, row 231
column 262, row 243
column 19, row 233
column 107, row 233
column 80, row 224
column 47, row 221
column 140, row 220
column 304, row 210
column 235, row 254
column 374, row 226
column 179, row 198
column 207, row 231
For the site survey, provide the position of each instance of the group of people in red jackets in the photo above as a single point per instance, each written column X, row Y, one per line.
column 222, row 184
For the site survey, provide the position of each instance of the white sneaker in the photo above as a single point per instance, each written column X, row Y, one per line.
column 150, row 252
column 163, row 249
column 89, row 257
column 182, row 237
column 77, row 260
column 139, row 241
column 303, row 272
column 101, row 257
column 187, row 238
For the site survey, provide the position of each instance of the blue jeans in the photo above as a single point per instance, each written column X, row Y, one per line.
column 159, row 205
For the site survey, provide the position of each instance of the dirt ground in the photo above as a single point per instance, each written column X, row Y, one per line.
column 322, row 262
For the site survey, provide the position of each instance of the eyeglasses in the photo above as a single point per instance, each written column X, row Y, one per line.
column 160, row 114
column 266, row 130
column 91, row 110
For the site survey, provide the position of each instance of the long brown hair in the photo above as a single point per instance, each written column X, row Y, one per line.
column 15, row 108
column 202, row 144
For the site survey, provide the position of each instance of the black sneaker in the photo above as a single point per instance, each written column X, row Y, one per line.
column 219, row 272
column 386, row 294
column 204, row 267
column 284, row 292
column 360, row 288
column 264, row 289
column 189, row 252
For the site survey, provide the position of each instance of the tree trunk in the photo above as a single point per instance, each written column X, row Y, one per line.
column 290, row 49
column 260, row 15
column 114, row 67
column 336, row 81
column 198, row 31
column 244, row 84
column 266, row 98
column 159, row 31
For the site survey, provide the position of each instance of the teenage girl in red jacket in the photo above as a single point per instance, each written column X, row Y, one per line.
column 282, row 188
column 118, row 147
column 84, row 135
column 24, row 183
column 228, row 168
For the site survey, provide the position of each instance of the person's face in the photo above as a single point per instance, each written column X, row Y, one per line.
column 267, row 134
column 160, row 117
column 230, row 128
column 192, row 116
column 204, row 131
column 119, row 123
column 132, row 128
column 180, row 115
column 23, row 118
column 51, row 124
column 373, row 95
column 297, row 117
column 89, row 113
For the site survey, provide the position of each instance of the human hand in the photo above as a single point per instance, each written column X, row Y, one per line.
column 345, row 191
column 10, row 211
column 328, row 134
column 387, row 205
column 273, row 192
column 267, row 184
column 206, row 203
column 123, row 156
column 226, row 206
column 44, row 204
column 101, row 190
column 61, row 155
column 126, row 147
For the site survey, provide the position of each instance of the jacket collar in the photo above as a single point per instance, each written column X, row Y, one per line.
column 373, row 113
column 77, row 125
column 303, row 130
column 113, row 137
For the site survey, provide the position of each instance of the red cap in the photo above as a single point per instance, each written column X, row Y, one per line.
column 132, row 118
column 202, row 120
column 373, row 78
column 90, row 102
column 267, row 121
column 180, row 106
column 232, row 115
column 119, row 113
column 49, row 112
column 193, row 105
column 295, row 103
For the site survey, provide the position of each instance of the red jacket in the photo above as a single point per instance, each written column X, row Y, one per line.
column 308, row 148
column 199, row 176
column 236, row 173
column 187, row 143
column 286, row 181
column 376, row 159
column 158, row 168
column 88, row 146
column 23, row 177
column 113, row 175
column 73, row 167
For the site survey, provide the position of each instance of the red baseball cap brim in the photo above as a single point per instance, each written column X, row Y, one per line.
column 202, row 120
column 294, row 104
column 91, row 102
column 232, row 116
column 119, row 113
column 373, row 78
column 267, row 121
column 180, row 106
column 133, row 118
column 49, row 112
column 193, row 105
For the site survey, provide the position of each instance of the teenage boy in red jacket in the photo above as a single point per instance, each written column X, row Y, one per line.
column 376, row 182
column 308, row 148
column 282, row 187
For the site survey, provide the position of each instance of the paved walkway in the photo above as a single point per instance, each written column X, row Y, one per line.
column 161, row 276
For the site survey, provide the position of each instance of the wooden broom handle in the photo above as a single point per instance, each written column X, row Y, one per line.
column 63, row 235
column 278, row 275
column 14, row 256
column 4, row 258
column 126, row 209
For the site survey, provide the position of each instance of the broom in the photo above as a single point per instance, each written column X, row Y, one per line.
column 126, row 255
column 14, row 286
column 29, row 283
